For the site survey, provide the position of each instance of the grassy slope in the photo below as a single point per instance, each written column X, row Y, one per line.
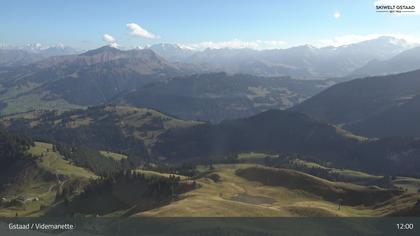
column 18, row 101
column 231, row 195
column 113, row 155
column 350, row 135
column 350, row 194
column 122, row 199
column 157, row 174
column 140, row 117
column 236, row 196
column 356, row 176
column 35, row 102
column 253, row 157
column 138, row 123
column 39, row 182
column 411, row 184
column 345, row 173
column 53, row 162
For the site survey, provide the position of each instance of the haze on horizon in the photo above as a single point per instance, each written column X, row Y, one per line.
column 198, row 25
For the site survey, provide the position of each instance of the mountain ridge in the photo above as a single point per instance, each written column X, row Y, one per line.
column 377, row 100
column 304, row 61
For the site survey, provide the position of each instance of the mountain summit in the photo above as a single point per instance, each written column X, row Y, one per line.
column 101, row 50
column 305, row 62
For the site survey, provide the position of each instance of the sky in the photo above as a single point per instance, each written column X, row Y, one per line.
column 259, row 24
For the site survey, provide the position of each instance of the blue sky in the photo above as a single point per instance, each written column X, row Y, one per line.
column 198, row 23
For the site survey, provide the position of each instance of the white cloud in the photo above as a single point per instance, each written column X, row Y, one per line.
column 337, row 15
column 110, row 40
column 354, row 38
column 137, row 30
column 236, row 44
column 397, row 3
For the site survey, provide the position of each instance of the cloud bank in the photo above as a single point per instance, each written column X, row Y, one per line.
column 236, row 44
column 355, row 38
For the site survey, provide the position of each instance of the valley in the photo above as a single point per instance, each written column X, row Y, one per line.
column 204, row 118
column 165, row 132
column 109, row 160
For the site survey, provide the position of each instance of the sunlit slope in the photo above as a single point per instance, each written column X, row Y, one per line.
column 223, row 193
column 36, row 182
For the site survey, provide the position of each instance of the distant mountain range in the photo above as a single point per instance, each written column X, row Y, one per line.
column 90, row 78
column 181, row 82
column 161, row 131
column 144, row 79
column 18, row 56
column 403, row 62
column 172, row 52
column 302, row 62
column 376, row 106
